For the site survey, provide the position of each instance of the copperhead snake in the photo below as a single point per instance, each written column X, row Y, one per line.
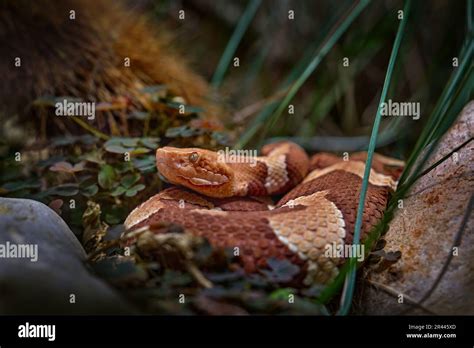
column 227, row 203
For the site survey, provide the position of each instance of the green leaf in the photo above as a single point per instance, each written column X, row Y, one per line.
column 85, row 139
column 107, row 177
column 129, row 142
column 221, row 138
column 50, row 161
column 112, row 219
column 139, row 151
column 134, row 190
column 183, row 131
column 20, row 185
column 67, row 167
column 121, row 144
column 280, row 271
column 86, row 180
column 151, row 143
column 94, row 156
column 282, row 294
column 145, row 165
column 129, row 180
column 123, row 167
column 117, row 149
column 119, row 190
column 63, row 190
column 90, row 191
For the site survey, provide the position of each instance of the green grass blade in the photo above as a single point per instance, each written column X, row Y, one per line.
column 437, row 117
column 326, row 47
column 323, row 104
column 454, row 106
column 234, row 41
column 455, row 102
column 255, row 126
column 296, row 74
column 442, row 159
column 326, row 28
column 389, row 135
column 349, row 285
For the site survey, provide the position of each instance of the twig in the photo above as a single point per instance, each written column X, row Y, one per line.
column 392, row 292
column 249, row 110
column 444, row 158
column 91, row 129
column 198, row 276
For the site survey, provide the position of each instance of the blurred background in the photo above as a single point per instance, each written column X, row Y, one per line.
column 335, row 100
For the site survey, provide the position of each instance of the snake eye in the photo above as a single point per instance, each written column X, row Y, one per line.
column 194, row 157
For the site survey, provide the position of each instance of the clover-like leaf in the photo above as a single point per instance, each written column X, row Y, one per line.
column 63, row 190
column 139, row 151
column 123, row 167
column 67, row 167
column 90, row 190
column 119, row 190
column 281, row 271
column 183, row 131
column 145, row 164
column 107, row 177
column 66, row 140
column 61, row 167
column 117, row 149
column 120, row 144
column 94, row 157
column 151, row 143
column 221, row 138
column 129, row 180
column 134, row 190
column 112, row 219
column 49, row 161
column 129, row 142
column 20, row 185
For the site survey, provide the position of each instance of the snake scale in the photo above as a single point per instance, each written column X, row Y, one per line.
column 228, row 203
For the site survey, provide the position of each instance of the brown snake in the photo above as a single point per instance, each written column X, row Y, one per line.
column 227, row 203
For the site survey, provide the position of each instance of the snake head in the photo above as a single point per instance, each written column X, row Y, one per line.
column 197, row 169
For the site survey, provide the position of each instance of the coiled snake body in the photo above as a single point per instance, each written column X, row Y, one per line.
column 226, row 203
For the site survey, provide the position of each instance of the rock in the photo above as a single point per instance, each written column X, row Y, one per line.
column 424, row 231
column 45, row 286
